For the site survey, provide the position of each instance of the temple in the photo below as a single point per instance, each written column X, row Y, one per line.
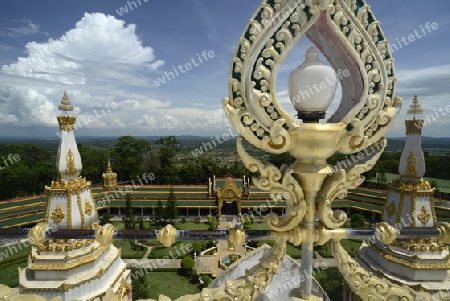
column 420, row 263
column 73, row 269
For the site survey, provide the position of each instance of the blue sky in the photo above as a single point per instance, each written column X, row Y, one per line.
column 109, row 63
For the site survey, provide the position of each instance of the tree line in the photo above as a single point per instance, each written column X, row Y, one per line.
column 132, row 157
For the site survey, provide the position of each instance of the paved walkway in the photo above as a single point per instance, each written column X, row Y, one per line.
column 210, row 264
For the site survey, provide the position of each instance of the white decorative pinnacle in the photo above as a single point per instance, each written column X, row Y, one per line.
column 65, row 103
column 415, row 107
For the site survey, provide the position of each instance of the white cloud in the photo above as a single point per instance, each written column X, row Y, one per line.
column 18, row 28
column 98, row 60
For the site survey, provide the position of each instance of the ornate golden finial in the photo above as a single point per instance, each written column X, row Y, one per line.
column 65, row 103
column 108, row 167
column 415, row 107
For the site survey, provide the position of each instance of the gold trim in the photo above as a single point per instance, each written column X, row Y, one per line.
column 67, row 123
column 80, row 209
column 408, row 264
column 69, row 209
column 70, row 170
column 57, row 214
column 68, row 265
column 391, row 209
column 67, row 287
column 414, row 127
column 423, row 216
column 87, row 207
column 400, row 206
column 411, row 168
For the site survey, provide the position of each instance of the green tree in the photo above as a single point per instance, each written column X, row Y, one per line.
column 129, row 220
column 196, row 247
column 168, row 147
column 332, row 281
column 128, row 157
column 159, row 213
column 94, row 163
column 358, row 221
column 212, row 224
column 187, row 265
column 105, row 218
column 171, row 211
column 141, row 223
column 141, row 287
column 381, row 180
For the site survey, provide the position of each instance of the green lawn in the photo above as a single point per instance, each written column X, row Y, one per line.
column 169, row 284
column 179, row 226
column 291, row 250
column 191, row 226
column 14, row 251
column 10, row 274
column 350, row 245
column 259, row 226
column 178, row 250
column 8, row 265
column 127, row 249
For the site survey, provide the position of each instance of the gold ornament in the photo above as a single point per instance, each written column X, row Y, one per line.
column 423, row 215
column 57, row 214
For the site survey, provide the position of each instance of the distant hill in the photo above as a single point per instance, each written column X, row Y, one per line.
column 427, row 143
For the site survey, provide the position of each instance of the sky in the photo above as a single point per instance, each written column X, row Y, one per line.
column 113, row 64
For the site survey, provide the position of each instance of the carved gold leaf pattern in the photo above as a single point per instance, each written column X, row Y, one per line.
column 411, row 168
column 67, row 123
column 67, row 287
column 414, row 127
column 58, row 214
column 68, row 265
column 391, row 209
column 87, row 207
column 70, row 170
column 423, row 216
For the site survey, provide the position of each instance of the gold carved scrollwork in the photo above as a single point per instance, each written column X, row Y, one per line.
column 368, row 286
column 411, row 168
column 282, row 186
column 253, row 283
column 338, row 184
column 70, row 170
column 67, row 123
column 423, row 216
column 57, row 214
column 87, row 207
column 414, row 127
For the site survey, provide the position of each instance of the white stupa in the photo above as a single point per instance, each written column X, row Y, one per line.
column 422, row 264
column 74, row 269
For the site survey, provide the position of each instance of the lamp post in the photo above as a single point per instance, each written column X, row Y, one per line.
column 366, row 111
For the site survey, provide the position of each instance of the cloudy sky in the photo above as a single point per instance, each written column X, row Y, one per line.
column 110, row 61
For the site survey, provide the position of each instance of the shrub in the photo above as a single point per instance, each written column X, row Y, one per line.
column 206, row 280
column 252, row 218
column 187, row 263
column 195, row 278
column 197, row 219
column 183, row 220
column 196, row 247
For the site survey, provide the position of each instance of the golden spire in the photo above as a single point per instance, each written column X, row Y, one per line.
column 415, row 108
column 65, row 103
column 108, row 167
